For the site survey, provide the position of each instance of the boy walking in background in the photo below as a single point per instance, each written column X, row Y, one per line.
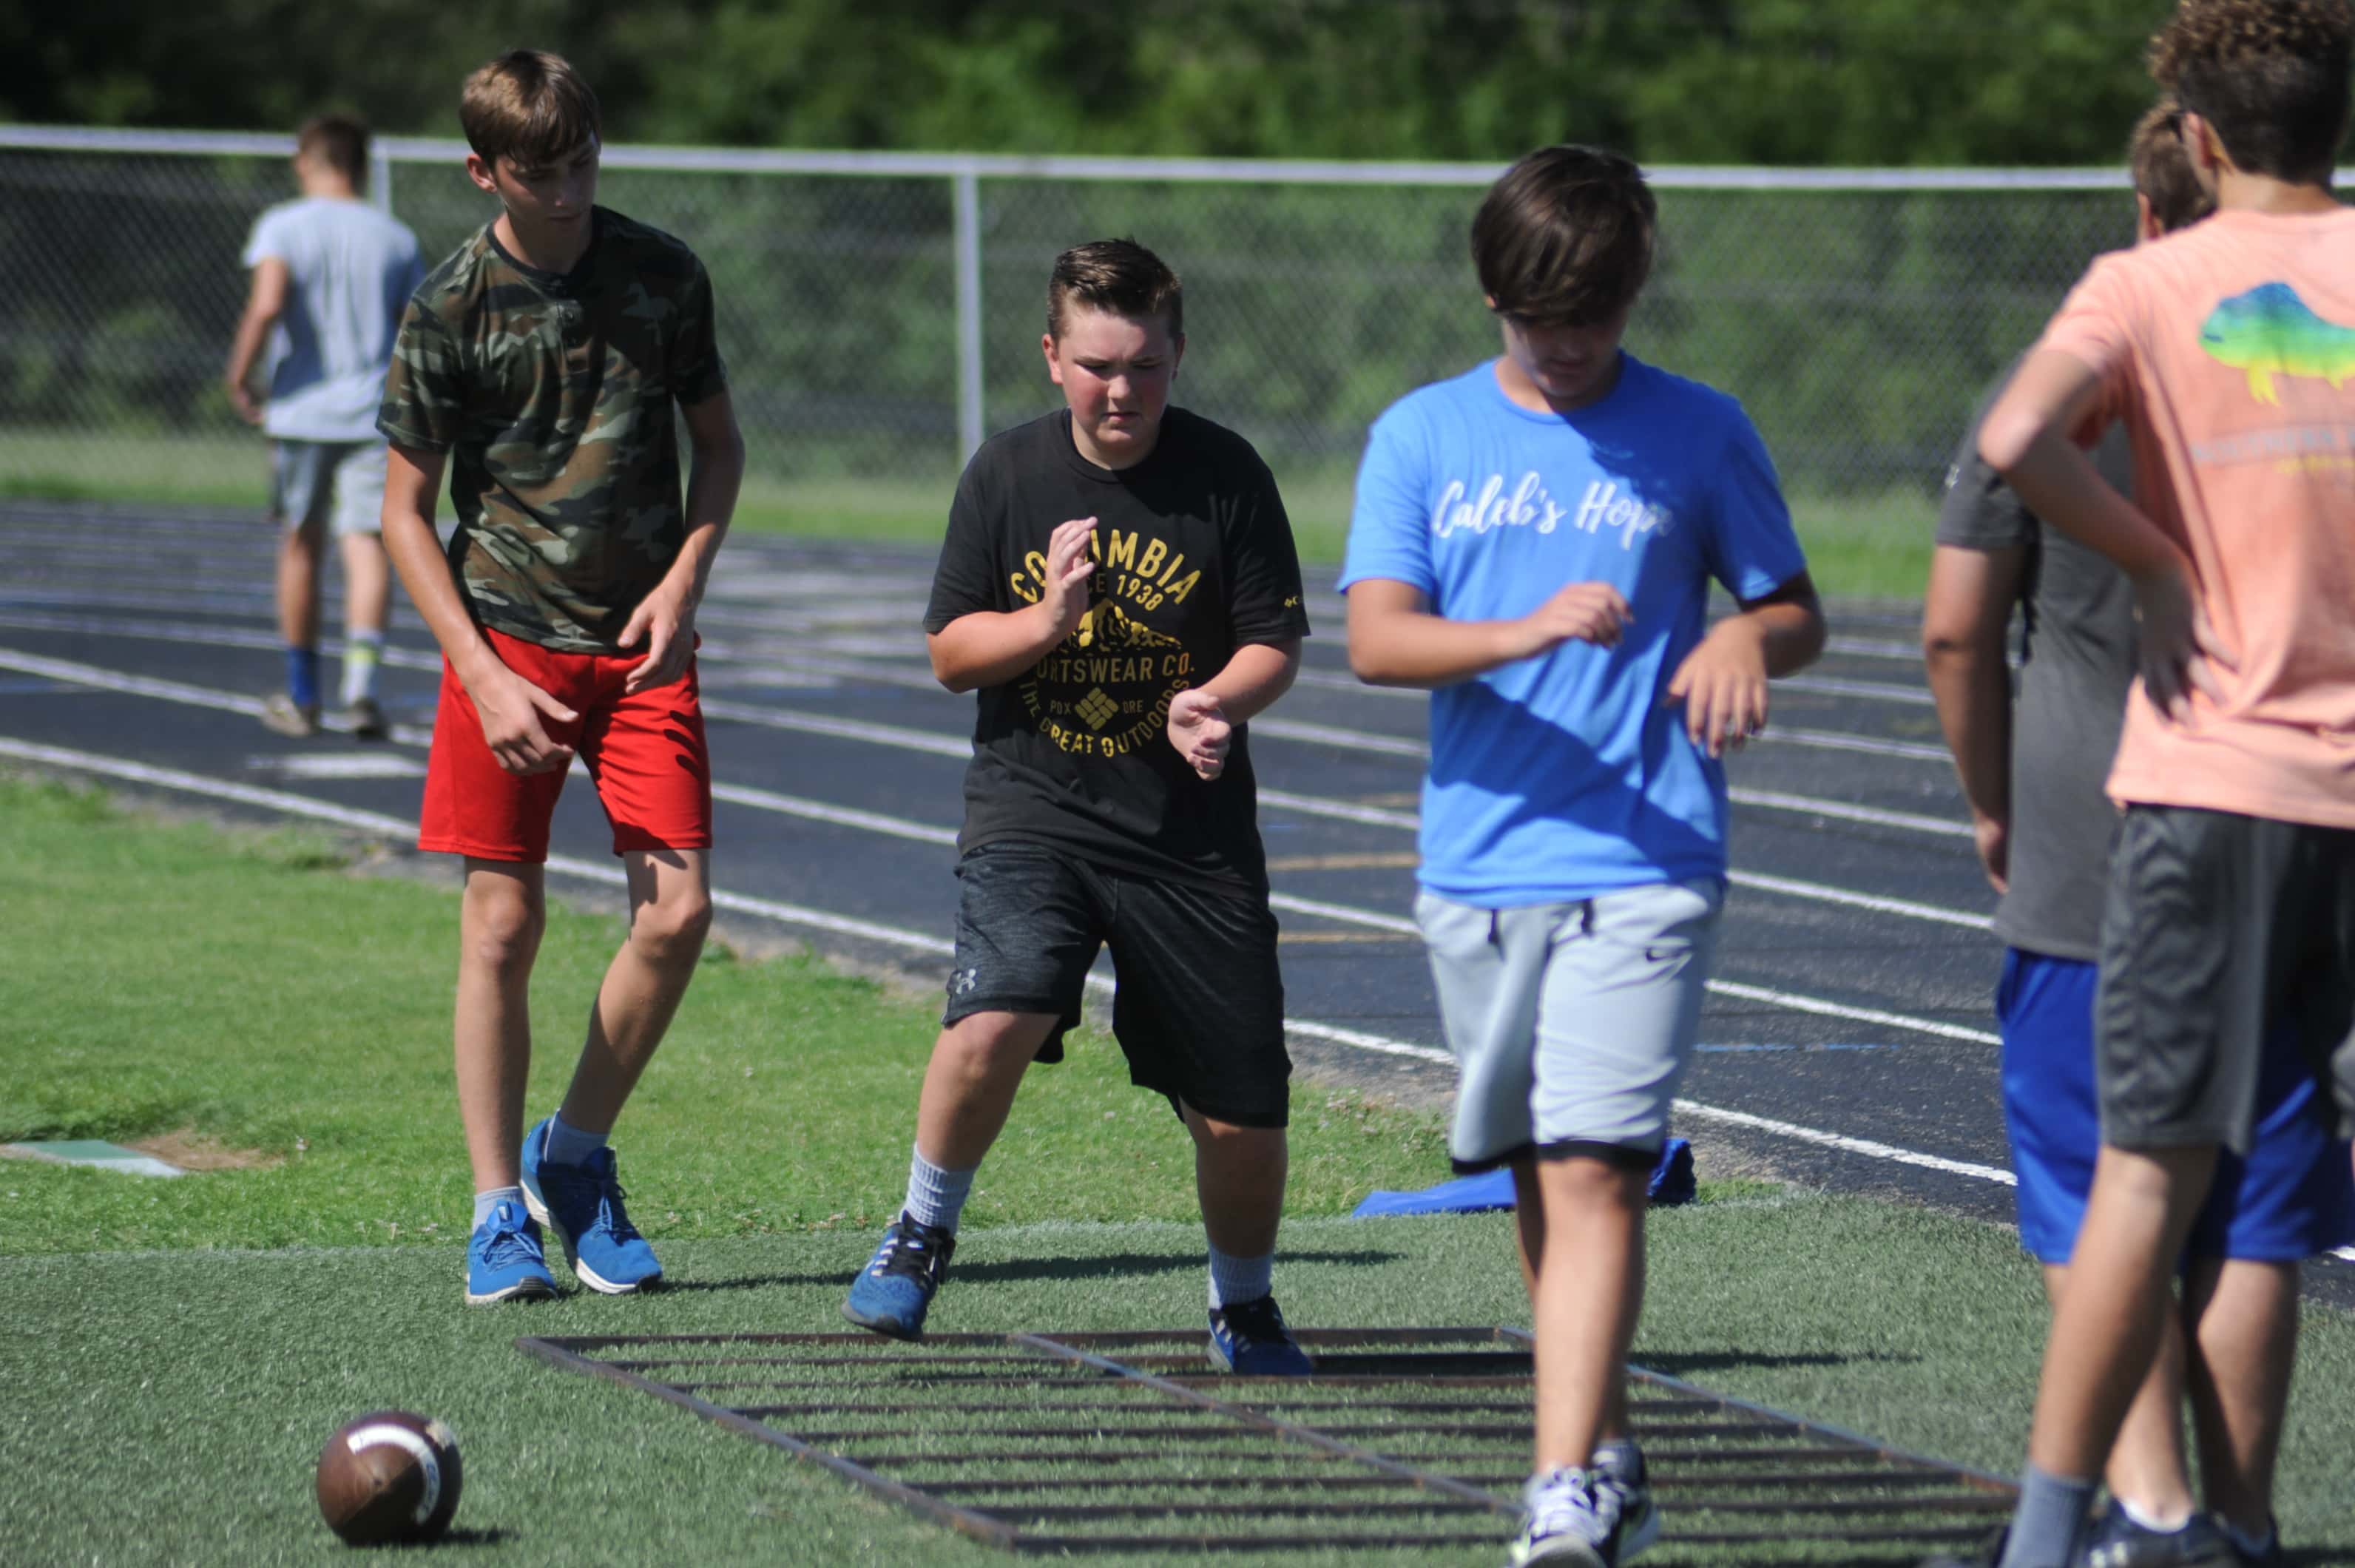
column 2229, row 353
column 1534, row 540
column 330, row 276
column 1119, row 584
column 2033, row 778
column 543, row 361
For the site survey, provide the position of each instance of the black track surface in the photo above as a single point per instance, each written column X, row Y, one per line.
column 799, row 635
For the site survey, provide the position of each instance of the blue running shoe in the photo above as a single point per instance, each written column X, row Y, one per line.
column 1250, row 1340
column 504, row 1262
column 1630, row 1481
column 1567, row 1522
column 583, row 1204
column 895, row 1289
column 2119, row 1543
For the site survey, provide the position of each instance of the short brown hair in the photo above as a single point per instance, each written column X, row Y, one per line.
column 337, row 141
column 528, row 106
column 1116, row 275
column 2163, row 174
column 1564, row 238
column 2271, row 77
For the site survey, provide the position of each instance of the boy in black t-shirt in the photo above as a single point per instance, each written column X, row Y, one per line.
column 1119, row 584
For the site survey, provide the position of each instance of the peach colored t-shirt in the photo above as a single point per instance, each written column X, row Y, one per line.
column 2228, row 349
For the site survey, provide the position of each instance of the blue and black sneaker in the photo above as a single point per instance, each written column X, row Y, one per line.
column 1624, row 1475
column 504, row 1260
column 895, row 1289
column 1248, row 1338
column 583, row 1204
column 2119, row 1543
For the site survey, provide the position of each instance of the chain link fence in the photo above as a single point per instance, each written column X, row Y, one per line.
column 879, row 312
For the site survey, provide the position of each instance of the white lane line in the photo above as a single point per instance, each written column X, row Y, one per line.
column 1869, row 745
column 948, row 746
column 1865, row 1147
column 1841, row 811
column 930, row 741
column 1799, row 1004
column 1870, row 690
column 1875, row 648
column 1366, row 742
column 796, row 914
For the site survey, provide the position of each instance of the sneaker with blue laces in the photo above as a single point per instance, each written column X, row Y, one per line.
column 504, row 1260
column 895, row 1289
column 1248, row 1338
column 2119, row 1543
column 583, row 1204
column 1569, row 1521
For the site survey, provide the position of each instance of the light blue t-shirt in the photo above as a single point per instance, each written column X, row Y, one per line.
column 1562, row 776
column 352, row 270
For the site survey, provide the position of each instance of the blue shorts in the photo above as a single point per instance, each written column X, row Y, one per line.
column 2292, row 1198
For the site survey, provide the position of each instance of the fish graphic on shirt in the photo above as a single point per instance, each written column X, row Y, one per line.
column 2269, row 332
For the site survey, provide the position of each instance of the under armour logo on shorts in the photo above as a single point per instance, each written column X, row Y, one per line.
column 962, row 981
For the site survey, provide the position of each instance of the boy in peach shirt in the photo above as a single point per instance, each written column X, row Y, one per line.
column 2228, row 352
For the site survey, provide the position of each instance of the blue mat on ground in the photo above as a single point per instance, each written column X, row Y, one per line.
column 1672, row 1182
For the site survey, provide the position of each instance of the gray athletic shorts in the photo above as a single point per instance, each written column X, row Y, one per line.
column 2218, row 929
column 1570, row 1023
column 340, row 482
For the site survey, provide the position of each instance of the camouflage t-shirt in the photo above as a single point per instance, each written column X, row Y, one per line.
column 552, row 394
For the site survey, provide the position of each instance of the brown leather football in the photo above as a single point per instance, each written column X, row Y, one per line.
column 389, row 1477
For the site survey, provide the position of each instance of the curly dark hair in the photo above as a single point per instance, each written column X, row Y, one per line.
column 2269, row 76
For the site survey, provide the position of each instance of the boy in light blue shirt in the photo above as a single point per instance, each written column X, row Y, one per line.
column 1534, row 540
column 330, row 275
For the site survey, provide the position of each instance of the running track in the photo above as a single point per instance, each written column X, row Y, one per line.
column 1848, row 1038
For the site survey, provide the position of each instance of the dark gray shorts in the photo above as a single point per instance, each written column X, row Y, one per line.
column 2219, row 928
column 1200, row 1012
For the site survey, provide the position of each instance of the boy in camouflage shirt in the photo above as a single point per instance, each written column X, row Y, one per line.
column 541, row 361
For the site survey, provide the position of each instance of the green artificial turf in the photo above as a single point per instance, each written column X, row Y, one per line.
column 174, row 1351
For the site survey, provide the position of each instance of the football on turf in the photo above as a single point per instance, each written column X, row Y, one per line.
column 389, row 1477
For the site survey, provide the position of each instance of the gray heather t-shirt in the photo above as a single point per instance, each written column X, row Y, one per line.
column 2078, row 662
column 352, row 270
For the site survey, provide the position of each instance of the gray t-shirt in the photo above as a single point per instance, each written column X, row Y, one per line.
column 2077, row 662
column 351, row 270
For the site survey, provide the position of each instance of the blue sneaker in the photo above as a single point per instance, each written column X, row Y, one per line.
column 583, row 1204
column 504, row 1262
column 2119, row 1543
column 1250, row 1340
column 1630, row 1483
column 895, row 1289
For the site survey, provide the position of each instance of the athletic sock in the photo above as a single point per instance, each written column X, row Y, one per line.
column 302, row 676
column 1234, row 1280
column 569, row 1144
column 936, row 1196
column 363, row 651
column 486, row 1201
column 2045, row 1526
column 2152, row 1522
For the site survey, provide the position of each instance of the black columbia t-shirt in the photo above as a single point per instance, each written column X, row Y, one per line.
column 1194, row 561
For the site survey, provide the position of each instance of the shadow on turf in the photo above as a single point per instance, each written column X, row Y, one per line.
column 1010, row 1269
column 493, row 1536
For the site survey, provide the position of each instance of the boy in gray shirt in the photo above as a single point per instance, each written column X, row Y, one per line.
column 331, row 274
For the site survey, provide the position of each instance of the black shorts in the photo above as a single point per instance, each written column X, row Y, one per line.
column 1200, row 1012
column 2218, row 927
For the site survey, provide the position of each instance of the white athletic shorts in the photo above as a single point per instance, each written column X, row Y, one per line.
column 340, row 482
column 1571, row 1023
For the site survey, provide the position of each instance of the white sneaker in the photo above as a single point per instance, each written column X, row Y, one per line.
column 1570, row 1520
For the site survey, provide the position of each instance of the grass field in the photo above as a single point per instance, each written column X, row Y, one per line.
column 176, row 1350
column 1872, row 545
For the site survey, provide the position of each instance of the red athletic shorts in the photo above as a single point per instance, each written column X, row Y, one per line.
column 645, row 752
